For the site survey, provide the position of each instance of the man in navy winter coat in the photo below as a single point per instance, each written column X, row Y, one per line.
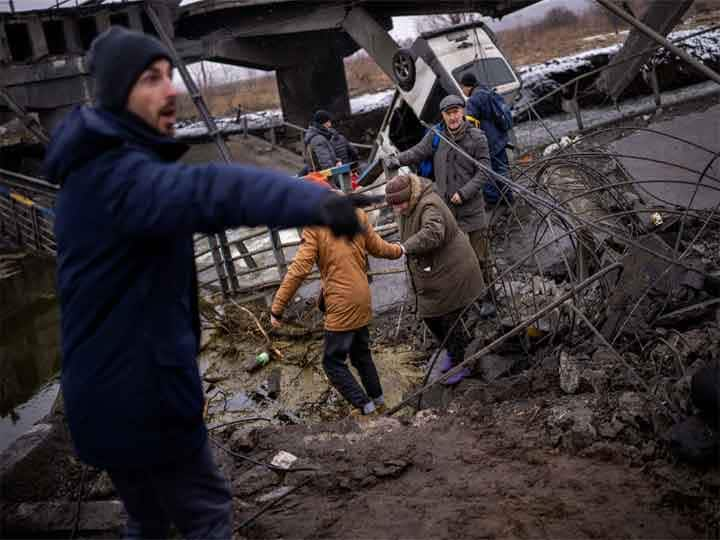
column 480, row 106
column 125, row 218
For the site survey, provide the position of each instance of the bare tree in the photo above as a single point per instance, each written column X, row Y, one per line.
column 560, row 16
column 436, row 22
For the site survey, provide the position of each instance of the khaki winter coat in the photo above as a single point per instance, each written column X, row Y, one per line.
column 455, row 173
column 443, row 266
column 343, row 272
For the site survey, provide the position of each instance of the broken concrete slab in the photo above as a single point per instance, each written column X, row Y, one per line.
column 48, row 518
column 700, row 129
column 644, row 277
column 22, row 476
column 254, row 480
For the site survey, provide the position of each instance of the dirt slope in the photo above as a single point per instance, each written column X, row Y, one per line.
column 483, row 472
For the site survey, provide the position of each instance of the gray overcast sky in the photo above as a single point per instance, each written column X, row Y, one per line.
column 404, row 26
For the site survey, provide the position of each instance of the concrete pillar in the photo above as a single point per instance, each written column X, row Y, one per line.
column 661, row 16
column 135, row 17
column 102, row 20
column 72, row 39
column 37, row 37
column 4, row 48
column 318, row 84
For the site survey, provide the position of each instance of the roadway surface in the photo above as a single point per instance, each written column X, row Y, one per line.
column 701, row 128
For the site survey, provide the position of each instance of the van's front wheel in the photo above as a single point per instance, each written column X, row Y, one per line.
column 403, row 63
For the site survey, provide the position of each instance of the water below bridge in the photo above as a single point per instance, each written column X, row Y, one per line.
column 29, row 346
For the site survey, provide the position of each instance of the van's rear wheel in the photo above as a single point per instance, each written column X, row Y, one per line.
column 403, row 63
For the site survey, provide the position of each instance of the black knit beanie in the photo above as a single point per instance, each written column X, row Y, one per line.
column 320, row 117
column 117, row 57
column 468, row 79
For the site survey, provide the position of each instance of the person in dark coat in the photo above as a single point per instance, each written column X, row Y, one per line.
column 480, row 106
column 126, row 213
column 319, row 151
column 344, row 151
column 326, row 146
column 441, row 263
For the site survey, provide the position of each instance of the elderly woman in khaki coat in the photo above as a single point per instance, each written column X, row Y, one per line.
column 442, row 264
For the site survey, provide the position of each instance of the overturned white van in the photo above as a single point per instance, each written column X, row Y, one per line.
column 428, row 71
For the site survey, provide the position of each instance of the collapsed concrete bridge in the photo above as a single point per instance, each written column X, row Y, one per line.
column 43, row 53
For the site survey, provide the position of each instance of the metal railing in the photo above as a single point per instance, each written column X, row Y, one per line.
column 258, row 256
column 26, row 212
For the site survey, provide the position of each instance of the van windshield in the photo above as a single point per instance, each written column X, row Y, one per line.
column 491, row 72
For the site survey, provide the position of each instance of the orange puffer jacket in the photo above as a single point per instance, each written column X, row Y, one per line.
column 343, row 267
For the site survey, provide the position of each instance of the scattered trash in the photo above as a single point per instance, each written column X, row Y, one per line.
column 283, row 460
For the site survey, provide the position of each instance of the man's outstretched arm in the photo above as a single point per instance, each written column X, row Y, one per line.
column 147, row 197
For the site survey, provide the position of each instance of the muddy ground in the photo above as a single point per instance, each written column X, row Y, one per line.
column 515, row 457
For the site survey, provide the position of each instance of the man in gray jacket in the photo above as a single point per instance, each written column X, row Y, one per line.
column 320, row 154
column 458, row 180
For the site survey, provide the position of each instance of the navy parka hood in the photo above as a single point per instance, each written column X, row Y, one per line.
column 87, row 132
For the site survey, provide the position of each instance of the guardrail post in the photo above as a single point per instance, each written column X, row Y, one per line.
column 218, row 263
column 655, row 84
column 18, row 229
column 278, row 252
column 273, row 137
column 249, row 261
column 36, row 228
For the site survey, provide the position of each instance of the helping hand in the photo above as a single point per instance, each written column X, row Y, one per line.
column 456, row 199
column 276, row 323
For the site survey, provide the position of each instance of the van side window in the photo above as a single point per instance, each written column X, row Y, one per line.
column 491, row 72
column 405, row 130
column 431, row 110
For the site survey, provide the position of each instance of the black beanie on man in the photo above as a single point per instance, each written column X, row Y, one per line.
column 468, row 79
column 117, row 58
column 321, row 116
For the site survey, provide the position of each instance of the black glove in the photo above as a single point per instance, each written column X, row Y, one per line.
column 338, row 213
column 360, row 200
column 391, row 162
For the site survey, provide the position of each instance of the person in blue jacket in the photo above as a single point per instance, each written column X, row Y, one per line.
column 486, row 106
column 125, row 218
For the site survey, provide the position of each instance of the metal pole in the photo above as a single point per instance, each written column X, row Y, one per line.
column 656, row 88
column 12, row 6
column 213, row 131
column 652, row 34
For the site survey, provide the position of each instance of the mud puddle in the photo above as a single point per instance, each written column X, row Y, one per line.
column 293, row 389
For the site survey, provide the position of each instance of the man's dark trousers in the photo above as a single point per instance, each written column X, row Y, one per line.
column 356, row 343
column 191, row 494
